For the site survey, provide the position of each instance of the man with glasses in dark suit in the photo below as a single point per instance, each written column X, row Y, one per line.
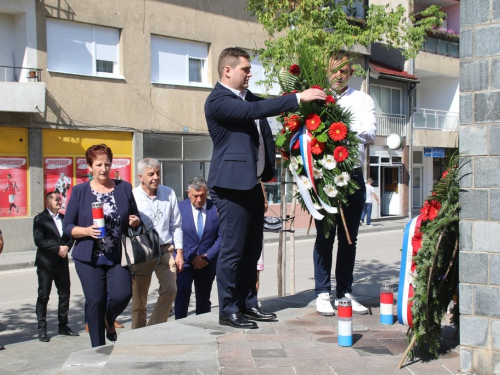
column 51, row 261
column 158, row 208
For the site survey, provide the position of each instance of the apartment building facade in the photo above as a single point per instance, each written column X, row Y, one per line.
column 417, row 107
column 133, row 75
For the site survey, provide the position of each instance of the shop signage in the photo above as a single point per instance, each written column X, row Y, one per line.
column 434, row 152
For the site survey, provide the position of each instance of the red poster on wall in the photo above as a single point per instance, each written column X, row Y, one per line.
column 121, row 169
column 14, row 186
column 82, row 171
column 58, row 176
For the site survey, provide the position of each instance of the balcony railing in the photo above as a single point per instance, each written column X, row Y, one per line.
column 432, row 119
column 19, row 74
column 388, row 123
column 440, row 46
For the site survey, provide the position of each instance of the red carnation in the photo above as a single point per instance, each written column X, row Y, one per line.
column 293, row 123
column 296, row 145
column 312, row 121
column 430, row 209
column 317, row 87
column 330, row 99
column 337, row 131
column 294, row 69
column 340, row 154
column 317, row 148
column 445, row 173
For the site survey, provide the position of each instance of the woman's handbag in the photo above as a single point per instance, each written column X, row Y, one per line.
column 140, row 247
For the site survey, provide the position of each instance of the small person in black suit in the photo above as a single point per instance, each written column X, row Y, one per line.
column 52, row 265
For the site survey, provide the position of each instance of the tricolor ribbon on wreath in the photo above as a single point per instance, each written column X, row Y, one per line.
column 304, row 137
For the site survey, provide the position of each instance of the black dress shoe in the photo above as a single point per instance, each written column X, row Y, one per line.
column 42, row 335
column 256, row 313
column 66, row 331
column 237, row 320
column 111, row 336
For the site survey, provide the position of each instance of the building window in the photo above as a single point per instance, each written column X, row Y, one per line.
column 259, row 74
column 178, row 62
column 387, row 99
column 82, row 49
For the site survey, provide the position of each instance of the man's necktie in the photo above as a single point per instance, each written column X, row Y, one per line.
column 200, row 224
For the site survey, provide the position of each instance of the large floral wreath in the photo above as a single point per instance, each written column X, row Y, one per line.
column 316, row 141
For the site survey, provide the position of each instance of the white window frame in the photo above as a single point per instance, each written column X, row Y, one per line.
column 170, row 61
column 401, row 106
column 57, row 57
column 259, row 74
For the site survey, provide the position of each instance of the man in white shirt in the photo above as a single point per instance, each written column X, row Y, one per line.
column 158, row 207
column 52, row 265
column 367, row 210
column 363, row 121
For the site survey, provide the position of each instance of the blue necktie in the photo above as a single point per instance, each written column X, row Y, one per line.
column 200, row 224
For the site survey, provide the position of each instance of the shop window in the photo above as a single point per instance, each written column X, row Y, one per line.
column 178, row 62
column 387, row 99
column 182, row 158
column 82, row 49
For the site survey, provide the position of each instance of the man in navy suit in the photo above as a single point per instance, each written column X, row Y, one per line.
column 200, row 228
column 243, row 155
column 52, row 264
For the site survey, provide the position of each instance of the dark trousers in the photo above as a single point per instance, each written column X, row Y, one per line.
column 241, row 217
column 203, row 280
column 97, row 282
column 346, row 254
column 60, row 277
column 367, row 211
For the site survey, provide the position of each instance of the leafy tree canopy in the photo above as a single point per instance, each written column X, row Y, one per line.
column 327, row 26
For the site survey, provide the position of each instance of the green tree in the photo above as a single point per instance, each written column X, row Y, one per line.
column 327, row 26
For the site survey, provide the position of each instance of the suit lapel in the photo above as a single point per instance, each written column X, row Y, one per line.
column 50, row 222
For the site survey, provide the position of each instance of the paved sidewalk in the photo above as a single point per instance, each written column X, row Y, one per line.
column 301, row 342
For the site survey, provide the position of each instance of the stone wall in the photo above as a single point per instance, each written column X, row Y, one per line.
column 480, row 197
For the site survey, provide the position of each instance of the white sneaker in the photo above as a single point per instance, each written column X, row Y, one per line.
column 357, row 308
column 369, row 225
column 323, row 305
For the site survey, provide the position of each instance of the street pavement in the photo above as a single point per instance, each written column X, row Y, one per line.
column 301, row 341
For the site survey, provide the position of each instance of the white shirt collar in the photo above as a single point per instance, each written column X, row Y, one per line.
column 241, row 94
column 54, row 216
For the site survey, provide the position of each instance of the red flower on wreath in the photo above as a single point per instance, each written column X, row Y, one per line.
column 430, row 210
column 293, row 123
column 416, row 241
column 317, row 87
column 296, row 145
column 330, row 99
column 337, row 131
column 340, row 154
column 445, row 173
column 288, row 93
column 294, row 69
column 285, row 155
column 317, row 148
column 312, row 121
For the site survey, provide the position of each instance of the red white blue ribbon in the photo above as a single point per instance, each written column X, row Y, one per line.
column 304, row 137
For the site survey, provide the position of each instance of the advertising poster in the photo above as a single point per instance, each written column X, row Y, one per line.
column 121, row 169
column 58, row 176
column 82, row 170
column 14, row 186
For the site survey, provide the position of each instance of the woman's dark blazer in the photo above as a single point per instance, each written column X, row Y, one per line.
column 79, row 213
